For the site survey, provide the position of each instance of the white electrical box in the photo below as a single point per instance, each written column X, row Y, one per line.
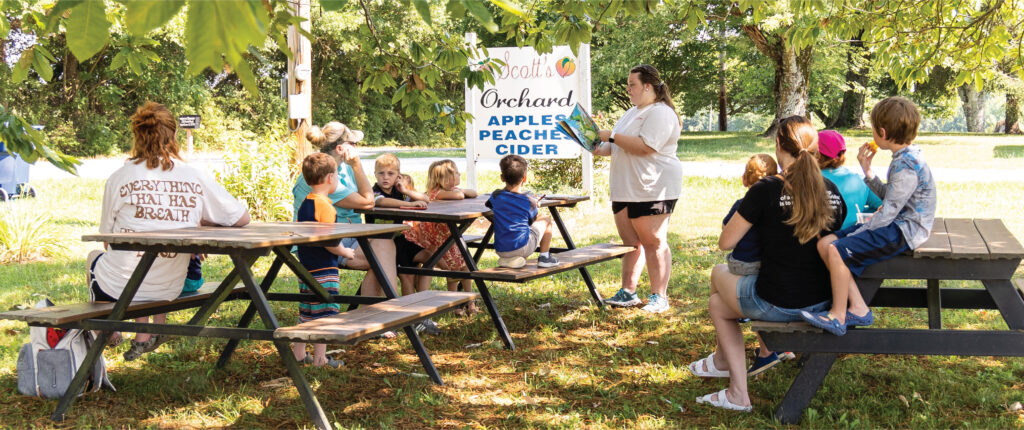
column 298, row 106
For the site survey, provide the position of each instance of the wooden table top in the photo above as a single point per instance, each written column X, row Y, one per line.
column 252, row 236
column 966, row 238
column 460, row 210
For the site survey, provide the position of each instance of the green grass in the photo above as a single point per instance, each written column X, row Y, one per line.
column 941, row 150
column 575, row 366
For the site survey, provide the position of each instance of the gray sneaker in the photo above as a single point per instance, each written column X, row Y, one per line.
column 430, row 327
column 623, row 299
column 549, row 261
column 656, row 304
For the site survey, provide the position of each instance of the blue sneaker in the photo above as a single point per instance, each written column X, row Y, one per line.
column 762, row 363
column 656, row 304
column 623, row 299
column 825, row 321
column 856, row 321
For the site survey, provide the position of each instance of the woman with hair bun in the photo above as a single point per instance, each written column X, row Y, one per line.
column 155, row 190
column 648, row 181
column 354, row 192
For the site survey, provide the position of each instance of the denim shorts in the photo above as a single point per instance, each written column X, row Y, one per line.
column 350, row 243
column 756, row 308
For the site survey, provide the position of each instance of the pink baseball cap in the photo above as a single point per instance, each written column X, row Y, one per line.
column 831, row 143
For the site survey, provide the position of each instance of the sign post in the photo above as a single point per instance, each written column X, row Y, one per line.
column 189, row 123
column 519, row 114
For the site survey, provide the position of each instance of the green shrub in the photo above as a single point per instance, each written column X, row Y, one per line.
column 25, row 235
column 566, row 175
column 261, row 175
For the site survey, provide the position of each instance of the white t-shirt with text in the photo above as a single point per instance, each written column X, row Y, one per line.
column 652, row 177
column 140, row 199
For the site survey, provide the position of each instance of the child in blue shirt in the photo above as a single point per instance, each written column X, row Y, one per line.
column 903, row 222
column 320, row 171
column 518, row 229
column 745, row 258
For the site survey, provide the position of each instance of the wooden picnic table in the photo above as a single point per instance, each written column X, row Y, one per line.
column 958, row 249
column 244, row 245
column 459, row 215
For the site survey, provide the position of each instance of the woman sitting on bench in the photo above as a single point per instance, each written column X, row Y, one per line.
column 790, row 211
column 155, row 190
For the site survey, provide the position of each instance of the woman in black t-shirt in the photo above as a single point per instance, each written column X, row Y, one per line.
column 790, row 211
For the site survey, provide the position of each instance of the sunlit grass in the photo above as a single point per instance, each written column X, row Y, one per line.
column 575, row 366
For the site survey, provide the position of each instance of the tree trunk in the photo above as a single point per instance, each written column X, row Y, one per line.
column 723, row 118
column 1012, row 113
column 792, row 74
column 851, row 112
column 974, row 107
column 70, row 75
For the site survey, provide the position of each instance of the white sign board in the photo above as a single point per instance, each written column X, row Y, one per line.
column 519, row 113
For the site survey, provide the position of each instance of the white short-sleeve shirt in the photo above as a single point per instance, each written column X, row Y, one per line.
column 140, row 199
column 652, row 177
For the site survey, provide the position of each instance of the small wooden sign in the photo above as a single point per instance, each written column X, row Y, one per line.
column 189, row 122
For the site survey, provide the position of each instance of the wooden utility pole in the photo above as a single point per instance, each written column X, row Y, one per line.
column 300, row 81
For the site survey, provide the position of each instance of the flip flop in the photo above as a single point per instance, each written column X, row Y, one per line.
column 825, row 321
column 697, row 368
column 723, row 402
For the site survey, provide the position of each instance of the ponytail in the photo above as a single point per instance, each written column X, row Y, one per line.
column 803, row 182
column 649, row 75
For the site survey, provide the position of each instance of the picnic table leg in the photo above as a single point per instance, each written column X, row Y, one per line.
column 492, row 309
column 300, row 272
column 1009, row 301
column 389, row 291
column 316, row 413
column 250, row 312
column 569, row 244
column 934, row 305
column 218, row 296
column 96, row 350
column 454, row 236
column 868, row 288
column 804, row 387
column 483, row 243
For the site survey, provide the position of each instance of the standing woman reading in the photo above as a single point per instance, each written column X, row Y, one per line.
column 648, row 181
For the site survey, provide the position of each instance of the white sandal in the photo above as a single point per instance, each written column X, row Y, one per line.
column 697, row 368
column 723, row 402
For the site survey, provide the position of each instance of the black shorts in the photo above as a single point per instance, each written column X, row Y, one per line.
column 98, row 295
column 405, row 251
column 638, row 209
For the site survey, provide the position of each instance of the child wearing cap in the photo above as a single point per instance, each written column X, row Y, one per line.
column 858, row 197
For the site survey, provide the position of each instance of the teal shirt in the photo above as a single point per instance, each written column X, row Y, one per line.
column 346, row 186
column 855, row 193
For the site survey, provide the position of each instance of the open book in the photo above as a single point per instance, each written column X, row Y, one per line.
column 581, row 128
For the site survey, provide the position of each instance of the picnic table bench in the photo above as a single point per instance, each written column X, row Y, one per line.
column 244, row 245
column 459, row 215
column 958, row 249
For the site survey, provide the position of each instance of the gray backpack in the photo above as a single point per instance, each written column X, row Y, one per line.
column 46, row 371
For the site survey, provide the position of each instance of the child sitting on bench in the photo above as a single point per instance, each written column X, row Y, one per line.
column 903, row 223
column 518, row 229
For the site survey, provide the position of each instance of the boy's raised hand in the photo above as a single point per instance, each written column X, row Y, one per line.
column 864, row 156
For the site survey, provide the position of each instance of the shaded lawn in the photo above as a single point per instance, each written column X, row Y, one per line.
column 575, row 366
